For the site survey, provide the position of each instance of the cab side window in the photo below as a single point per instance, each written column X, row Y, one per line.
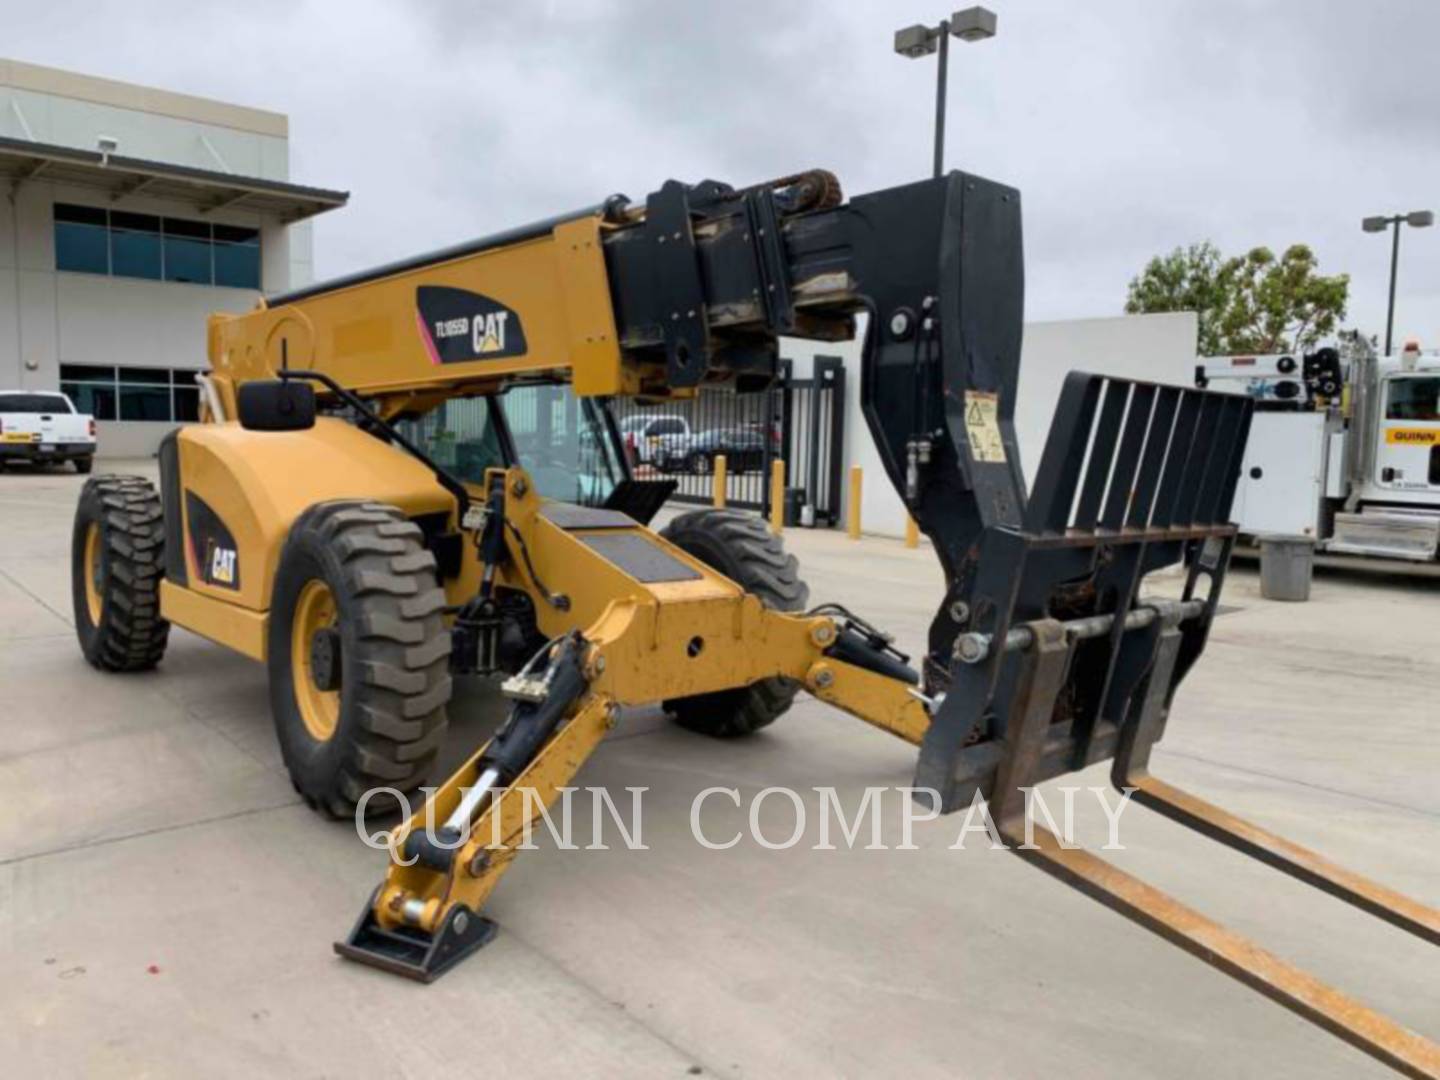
column 562, row 442
column 461, row 437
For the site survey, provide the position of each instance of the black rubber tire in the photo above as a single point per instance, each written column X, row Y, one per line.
column 699, row 464
column 130, row 634
column 394, row 647
column 743, row 548
column 83, row 465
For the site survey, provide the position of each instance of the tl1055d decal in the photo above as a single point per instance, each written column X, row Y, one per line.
column 458, row 326
column 212, row 548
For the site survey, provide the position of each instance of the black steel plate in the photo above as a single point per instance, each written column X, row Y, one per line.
column 640, row 557
column 571, row 516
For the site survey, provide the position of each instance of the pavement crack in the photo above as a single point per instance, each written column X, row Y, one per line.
column 1328, row 789
column 140, row 833
column 33, row 596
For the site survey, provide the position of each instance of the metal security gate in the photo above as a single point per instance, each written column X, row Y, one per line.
column 798, row 420
column 814, row 438
column 681, row 440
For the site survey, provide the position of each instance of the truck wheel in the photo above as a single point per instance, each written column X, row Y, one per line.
column 83, row 465
column 116, row 562
column 741, row 547
column 358, row 654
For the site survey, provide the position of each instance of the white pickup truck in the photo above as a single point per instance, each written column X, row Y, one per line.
column 655, row 439
column 42, row 427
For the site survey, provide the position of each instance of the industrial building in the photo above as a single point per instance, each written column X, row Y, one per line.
column 130, row 214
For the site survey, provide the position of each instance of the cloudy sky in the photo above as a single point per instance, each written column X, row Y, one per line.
column 1130, row 127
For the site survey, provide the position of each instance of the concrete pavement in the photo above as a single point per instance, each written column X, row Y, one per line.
column 167, row 905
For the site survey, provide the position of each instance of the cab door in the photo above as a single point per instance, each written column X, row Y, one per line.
column 1407, row 457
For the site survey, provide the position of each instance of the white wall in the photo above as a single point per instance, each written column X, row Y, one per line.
column 1157, row 348
column 129, row 438
column 154, row 125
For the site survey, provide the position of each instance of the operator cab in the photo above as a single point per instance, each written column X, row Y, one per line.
column 568, row 445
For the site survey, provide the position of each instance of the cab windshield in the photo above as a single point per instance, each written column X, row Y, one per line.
column 1414, row 397
column 562, row 441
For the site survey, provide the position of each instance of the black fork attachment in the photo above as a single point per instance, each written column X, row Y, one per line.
column 1045, row 655
column 1060, row 661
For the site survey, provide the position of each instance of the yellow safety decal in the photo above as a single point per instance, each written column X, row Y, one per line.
column 1413, row 436
column 982, row 424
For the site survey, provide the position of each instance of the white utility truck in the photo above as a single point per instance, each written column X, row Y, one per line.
column 42, row 427
column 1344, row 448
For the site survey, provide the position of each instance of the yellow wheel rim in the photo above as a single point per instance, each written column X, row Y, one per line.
column 314, row 611
column 94, row 602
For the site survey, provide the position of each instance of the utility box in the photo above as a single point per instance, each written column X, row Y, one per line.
column 1282, row 482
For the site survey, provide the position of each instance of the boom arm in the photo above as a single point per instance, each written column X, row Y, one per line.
column 698, row 286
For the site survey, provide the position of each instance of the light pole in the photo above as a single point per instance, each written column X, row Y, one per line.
column 972, row 24
column 1416, row 219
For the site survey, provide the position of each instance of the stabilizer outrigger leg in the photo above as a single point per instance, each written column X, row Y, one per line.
column 449, row 856
column 415, row 954
column 1037, row 697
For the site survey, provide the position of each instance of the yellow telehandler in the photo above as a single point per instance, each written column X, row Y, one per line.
column 317, row 524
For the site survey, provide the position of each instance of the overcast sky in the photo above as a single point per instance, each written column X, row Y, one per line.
column 1130, row 127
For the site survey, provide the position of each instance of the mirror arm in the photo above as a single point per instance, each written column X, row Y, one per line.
column 445, row 479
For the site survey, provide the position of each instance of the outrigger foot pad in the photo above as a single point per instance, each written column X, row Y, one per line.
column 414, row 953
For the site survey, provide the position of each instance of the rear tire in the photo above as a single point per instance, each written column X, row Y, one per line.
column 83, row 465
column 116, row 563
column 741, row 547
column 382, row 723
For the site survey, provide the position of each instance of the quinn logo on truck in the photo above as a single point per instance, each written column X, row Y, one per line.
column 458, row 326
column 1413, row 436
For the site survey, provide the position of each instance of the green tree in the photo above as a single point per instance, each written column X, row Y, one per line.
column 1252, row 303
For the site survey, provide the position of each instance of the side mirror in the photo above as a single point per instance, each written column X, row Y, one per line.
column 276, row 405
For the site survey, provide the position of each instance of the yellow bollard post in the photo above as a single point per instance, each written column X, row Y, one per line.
column 912, row 532
column 852, row 509
column 720, row 481
column 777, row 496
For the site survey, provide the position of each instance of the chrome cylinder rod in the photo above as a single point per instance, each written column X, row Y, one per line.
column 974, row 647
column 470, row 802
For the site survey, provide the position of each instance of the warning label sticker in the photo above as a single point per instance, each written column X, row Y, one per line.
column 1413, row 436
column 982, row 424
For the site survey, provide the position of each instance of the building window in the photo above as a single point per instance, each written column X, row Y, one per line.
column 80, row 240
column 134, row 245
column 237, row 257
column 187, row 252
column 186, row 397
column 127, row 393
column 92, row 240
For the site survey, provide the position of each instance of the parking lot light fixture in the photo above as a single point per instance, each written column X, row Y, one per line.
column 913, row 42
column 1416, row 219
